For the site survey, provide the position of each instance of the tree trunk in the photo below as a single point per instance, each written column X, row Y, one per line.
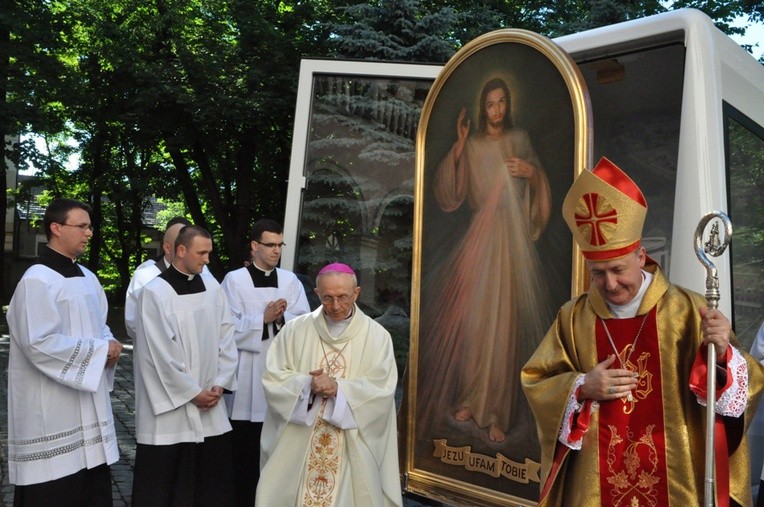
column 5, row 288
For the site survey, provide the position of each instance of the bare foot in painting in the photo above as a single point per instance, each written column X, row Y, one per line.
column 495, row 433
column 463, row 414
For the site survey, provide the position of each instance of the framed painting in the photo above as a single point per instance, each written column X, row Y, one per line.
column 505, row 128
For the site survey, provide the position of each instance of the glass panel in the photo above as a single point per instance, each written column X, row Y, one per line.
column 636, row 103
column 746, row 181
column 358, row 204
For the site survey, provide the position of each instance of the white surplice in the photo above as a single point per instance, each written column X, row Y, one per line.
column 143, row 274
column 247, row 304
column 184, row 344
column 366, row 469
column 59, row 412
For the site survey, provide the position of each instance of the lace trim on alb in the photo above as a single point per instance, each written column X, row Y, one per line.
column 15, row 455
column 567, row 420
column 734, row 399
column 83, row 366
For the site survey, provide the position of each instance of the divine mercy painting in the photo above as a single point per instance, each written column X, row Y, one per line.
column 502, row 135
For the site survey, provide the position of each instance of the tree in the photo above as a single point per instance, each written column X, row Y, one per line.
column 115, row 175
column 395, row 30
column 29, row 74
column 179, row 98
column 192, row 100
column 215, row 96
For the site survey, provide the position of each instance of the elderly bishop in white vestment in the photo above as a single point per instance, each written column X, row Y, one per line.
column 335, row 449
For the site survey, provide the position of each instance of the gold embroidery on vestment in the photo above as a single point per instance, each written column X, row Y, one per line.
column 644, row 379
column 633, row 484
column 323, row 464
column 324, row 460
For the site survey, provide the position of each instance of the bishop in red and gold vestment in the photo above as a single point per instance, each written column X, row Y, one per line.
column 617, row 386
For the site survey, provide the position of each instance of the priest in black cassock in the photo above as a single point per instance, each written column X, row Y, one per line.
column 61, row 437
column 262, row 298
column 185, row 359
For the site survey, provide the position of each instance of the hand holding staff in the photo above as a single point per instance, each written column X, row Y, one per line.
column 715, row 247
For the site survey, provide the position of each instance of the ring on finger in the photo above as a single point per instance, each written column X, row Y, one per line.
column 611, row 390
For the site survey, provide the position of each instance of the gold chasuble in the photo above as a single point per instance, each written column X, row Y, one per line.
column 647, row 451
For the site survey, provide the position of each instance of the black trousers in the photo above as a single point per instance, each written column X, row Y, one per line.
column 185, row 474
column 86, row 488
column 245, row 438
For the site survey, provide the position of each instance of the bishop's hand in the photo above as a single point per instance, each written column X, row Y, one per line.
column 603, row 383
column 716, row 329
column 322, row 384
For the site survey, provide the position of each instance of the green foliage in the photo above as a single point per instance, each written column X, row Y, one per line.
column 607, row 12
column 754, row 9
column 747, row 199
column 171, row 209
column 723, row 13
column 192, row 101
column 395, row 30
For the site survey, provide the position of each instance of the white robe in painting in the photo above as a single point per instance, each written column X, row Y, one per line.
column 59, row 412
column 247, row 304
column 489, row 304
column 367, row 469
column 184, row 344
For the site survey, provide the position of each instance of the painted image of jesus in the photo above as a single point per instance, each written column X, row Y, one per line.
column 490, row 305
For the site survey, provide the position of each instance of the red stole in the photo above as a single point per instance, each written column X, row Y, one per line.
column 632, row 445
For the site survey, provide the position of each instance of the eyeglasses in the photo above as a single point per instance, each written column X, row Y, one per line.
column 271, row 245
column 82, row 227
column 342, row 299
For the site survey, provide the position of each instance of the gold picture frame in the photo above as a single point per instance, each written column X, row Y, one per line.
column 492, row 262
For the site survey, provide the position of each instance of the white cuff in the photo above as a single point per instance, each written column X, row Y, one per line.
column 337, row 412
column 110, row 372
column 306, row 408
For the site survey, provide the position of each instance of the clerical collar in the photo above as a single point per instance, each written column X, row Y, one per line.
column 60, row 263
column 266, row 272
column 262, row 278
column 336, row 328
column 629, row 310
column 182, row 283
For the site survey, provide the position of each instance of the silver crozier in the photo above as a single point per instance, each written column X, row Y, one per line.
column 715, row 246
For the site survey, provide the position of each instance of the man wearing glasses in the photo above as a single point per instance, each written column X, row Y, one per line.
column 330, row 435
column 262, row 298
column 61, row 437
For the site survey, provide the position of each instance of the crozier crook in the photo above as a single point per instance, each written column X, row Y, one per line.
column 715, row 246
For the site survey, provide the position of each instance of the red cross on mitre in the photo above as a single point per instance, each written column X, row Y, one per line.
column 594, row 214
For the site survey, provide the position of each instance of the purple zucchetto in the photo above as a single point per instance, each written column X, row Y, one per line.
column 336, row 267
